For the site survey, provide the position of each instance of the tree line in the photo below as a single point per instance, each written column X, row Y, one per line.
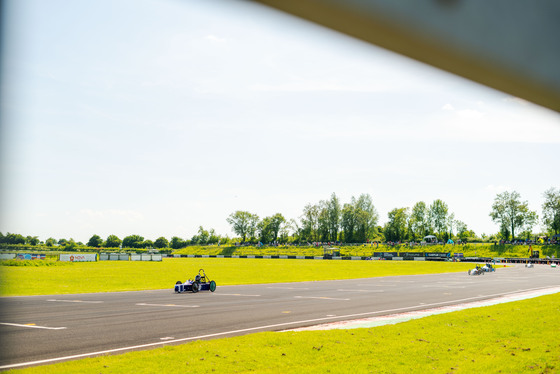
column 352, row 222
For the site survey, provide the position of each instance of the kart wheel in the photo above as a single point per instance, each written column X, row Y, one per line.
column 212, row 286
column 195, row 287
column 178, row 282
column 177, row 287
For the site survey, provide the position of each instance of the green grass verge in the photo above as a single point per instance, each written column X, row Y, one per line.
column 518, row 337
column 108, row 276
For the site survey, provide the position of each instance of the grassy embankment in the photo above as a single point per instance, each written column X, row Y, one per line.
column 468, row 250
column 519, row 337
column 107, row 276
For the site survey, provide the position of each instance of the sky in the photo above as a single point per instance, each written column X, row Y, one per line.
column 156, row 117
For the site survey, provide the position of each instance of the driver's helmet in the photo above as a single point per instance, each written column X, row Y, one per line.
column 197, row 278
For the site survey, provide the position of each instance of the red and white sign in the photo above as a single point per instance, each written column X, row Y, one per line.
column 82, row 257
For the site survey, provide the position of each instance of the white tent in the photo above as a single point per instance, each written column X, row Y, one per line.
column 430, row 239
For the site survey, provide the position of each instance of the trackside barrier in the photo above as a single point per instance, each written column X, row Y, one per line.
column 7, row 256
column 84, row 257
column 132, row 257
column 30, row 256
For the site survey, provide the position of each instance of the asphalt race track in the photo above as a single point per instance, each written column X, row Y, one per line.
column 46, row 329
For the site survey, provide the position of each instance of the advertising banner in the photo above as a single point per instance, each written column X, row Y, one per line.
column 82, row 257
column 31, row 256
column 437, row 255
column 411, row 254
column 385, row 254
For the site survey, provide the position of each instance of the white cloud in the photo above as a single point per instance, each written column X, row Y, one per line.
column 214, row 38
column 448, row 107
column 470, row 114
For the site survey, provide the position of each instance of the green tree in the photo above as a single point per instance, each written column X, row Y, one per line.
column 133, row 241
column 161, row 242
column 295, row 229
column 95, row 241
column 264, row 230
column 511, row 213
column 333, row 211
column 551, row 210
column 243, row 224
column 147, row 244
column 213, row 238
column 177, row 243
column 462, row 230
column 33, row 240
column 323, row 222
column 203, row 235
column 438, row 217
column 420, row 220
column 269, row 228
column 366, row 218
column 70, row 245
column 348, row 222
column 276, row 222
column 14, row 238
column 310, row 222
column 397, row 225
column 50, row 242
column 113, row 241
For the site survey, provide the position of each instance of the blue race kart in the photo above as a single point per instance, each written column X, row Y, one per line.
column 201, row 282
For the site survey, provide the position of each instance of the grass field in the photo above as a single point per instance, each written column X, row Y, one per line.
column 108, row 276
column 519, row 337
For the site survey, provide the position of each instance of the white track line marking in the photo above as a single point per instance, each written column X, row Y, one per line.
column 76, row 301
column 224, row 333
column 319, row 298
column 170, row 305
column 32, row 326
